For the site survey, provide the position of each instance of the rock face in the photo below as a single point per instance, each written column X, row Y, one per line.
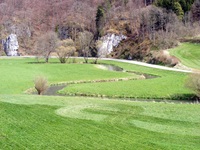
column 110, row 41
column 10, row 45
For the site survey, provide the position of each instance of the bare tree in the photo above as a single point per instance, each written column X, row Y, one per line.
column 196, row 11
column 85, row 40
column 46, row 44
column 98, row 45
column 65, row 50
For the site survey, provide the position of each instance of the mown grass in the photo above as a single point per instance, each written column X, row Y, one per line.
column 56, row 122
column 161, row 88
column 35, row 122
column 167, row 85
column 17, row 75
column 188, row 53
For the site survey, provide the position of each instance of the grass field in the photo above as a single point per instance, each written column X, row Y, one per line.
column 189, row 54
column 167, row 85
column 17, row 75
column 59, row 122
column 35, row 122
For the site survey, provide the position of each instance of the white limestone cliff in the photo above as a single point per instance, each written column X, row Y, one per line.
column 110, row 41
column 10, row 45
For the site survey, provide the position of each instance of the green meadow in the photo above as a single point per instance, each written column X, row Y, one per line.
column 35, row 122
column 189, row 54
column 17, row 75
column 165, row 85
column 29, row 121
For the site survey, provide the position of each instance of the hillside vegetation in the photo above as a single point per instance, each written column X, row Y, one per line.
column 148, row 25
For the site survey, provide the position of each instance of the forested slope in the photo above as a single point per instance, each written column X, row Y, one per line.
column 149, row 25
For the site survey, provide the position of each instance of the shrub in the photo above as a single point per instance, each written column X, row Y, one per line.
column 162, row 58
column 41, row 84
column 65, row 50
column 193, row 83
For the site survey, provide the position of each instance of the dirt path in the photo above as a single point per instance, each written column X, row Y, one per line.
column 148, row 65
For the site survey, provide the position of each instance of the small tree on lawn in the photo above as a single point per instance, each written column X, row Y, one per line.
column 193, row 83
column 65, row 50
column 98, row 45
column 46, row 44
column 85, row 40
column 41, row 84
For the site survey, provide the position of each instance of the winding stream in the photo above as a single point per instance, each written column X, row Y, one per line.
column 53, row 89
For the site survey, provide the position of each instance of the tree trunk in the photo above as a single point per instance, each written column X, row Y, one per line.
column 86, row 57
column 86, row 60
column 47, row 57
column 96, row 59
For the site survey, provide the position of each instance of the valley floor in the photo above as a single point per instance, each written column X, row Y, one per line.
column 73, row 122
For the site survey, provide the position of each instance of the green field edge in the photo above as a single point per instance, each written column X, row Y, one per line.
column 188, row 54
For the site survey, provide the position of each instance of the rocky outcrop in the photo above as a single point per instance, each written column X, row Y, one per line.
column 10, row 45
column 110, row 41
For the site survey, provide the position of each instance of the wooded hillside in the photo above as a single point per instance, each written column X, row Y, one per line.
column 148, row 24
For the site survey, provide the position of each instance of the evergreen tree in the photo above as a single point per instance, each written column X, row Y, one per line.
column 100, row 19
column 178, row 10
column 184, row 5
column 178, row 6
column 101, row 15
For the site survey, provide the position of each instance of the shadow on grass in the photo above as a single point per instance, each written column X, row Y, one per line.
column 185, row 97
column 44, row 63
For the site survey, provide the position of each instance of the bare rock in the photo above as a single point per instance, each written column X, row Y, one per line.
column 110, row 41
column 10, row 45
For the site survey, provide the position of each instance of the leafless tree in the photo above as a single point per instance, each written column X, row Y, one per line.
column 85, row 40
column 196, row 11
column 46, row 44
column 98, row 45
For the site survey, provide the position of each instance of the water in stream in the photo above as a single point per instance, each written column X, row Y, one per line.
column 53, row 90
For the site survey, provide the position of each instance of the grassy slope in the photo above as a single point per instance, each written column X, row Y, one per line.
column 36, row 122
column 189, row 54
column 169, row 85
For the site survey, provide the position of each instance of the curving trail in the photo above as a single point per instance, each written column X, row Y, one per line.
column 148, row 65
